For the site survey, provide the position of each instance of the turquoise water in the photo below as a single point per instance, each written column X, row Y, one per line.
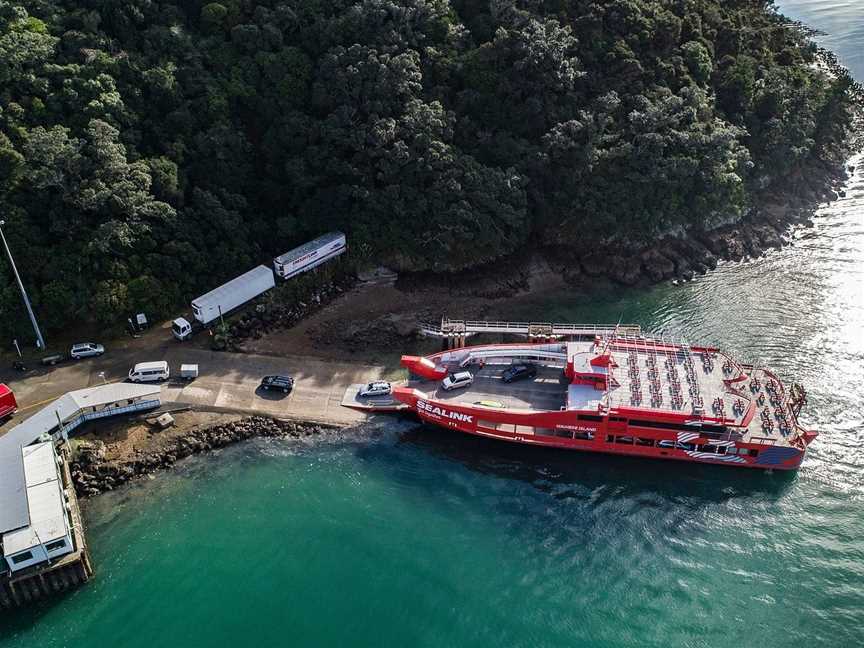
column 396, row 535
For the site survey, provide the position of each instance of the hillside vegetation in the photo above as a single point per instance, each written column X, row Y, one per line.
column 150, row 149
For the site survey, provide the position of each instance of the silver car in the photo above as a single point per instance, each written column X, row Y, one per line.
column 86, row 350
column 377, row 388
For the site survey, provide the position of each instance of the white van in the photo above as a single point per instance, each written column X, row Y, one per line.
column 149, row 372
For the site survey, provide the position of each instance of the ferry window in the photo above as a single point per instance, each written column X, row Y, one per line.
column 27, row 555
column 590, row 417
column 644, row 442
column 585, row 436
column 487, row 424
column 617, row 419
column 754, row 453
column 54, row 546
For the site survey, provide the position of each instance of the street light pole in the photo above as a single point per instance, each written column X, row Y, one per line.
column 40, row 341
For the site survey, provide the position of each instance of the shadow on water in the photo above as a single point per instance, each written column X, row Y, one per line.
column 17, row 620
column 552, row 471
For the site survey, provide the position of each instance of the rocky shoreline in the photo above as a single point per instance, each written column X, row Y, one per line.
column 93, row 474
column 682, row 257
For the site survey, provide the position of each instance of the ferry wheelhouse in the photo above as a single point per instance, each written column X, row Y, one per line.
column 616, row 394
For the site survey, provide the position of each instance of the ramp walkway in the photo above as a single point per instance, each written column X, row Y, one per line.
column 464, row 328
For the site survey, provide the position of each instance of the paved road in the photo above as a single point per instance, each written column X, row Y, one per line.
column 226, row 380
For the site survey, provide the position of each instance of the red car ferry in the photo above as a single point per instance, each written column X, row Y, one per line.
column 627, row 395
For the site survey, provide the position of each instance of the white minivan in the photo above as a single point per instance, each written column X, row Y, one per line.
column 149, row 372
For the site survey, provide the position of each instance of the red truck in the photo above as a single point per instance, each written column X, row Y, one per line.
column 8, row 404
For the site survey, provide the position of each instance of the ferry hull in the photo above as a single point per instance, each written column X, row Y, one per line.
column 560, row 430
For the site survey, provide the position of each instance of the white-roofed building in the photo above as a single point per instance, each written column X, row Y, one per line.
column 34, row 522
column 75, row 407
column 48, row 534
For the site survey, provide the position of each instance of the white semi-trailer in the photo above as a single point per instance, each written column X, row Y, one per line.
column 310, row 254
column 225, row 298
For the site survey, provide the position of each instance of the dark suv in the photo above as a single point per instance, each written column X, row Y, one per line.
column 518, row 372
column 285, row 383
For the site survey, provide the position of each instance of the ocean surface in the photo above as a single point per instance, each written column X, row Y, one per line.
column 840, row 24
column 399, row 535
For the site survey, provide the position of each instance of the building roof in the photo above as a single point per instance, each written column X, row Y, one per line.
column 69, row 405
column 40, row 464
column 13, row 498
column 45, row 502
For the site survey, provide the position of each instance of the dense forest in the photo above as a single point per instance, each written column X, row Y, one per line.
column 151, row 148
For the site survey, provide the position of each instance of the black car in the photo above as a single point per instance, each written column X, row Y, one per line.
column 285, row 383
column 518, row 372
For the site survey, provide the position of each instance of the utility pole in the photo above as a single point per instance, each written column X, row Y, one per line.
column 40, row 342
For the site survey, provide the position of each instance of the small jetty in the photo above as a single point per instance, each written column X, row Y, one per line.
column 43, row 550
column 57, row 559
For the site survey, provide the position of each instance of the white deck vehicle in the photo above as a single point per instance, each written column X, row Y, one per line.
column 377, row 388
column 457, row 380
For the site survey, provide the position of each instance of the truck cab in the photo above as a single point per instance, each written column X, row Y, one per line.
column 181, row 328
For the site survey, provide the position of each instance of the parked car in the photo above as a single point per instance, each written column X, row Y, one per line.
column 284, row 383
column 376, row 388
column 519, row 372
column 53, row 359
column 149, row 372
column 86, row 350
column 457, row 380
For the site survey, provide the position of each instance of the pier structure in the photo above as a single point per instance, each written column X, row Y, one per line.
column 42, row 545
column 454, row 332
column 56, row 557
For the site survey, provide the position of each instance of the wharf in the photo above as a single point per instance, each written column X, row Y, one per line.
column 65, row 573
column 534, row 330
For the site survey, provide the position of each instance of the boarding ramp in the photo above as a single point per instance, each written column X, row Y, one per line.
column 352, row 398
column 548, row 330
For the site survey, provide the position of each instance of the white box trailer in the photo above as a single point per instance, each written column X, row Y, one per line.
column 235, row 293
column 310, row 254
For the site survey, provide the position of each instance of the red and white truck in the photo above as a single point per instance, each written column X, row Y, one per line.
column 8, row 404
column 310, row 255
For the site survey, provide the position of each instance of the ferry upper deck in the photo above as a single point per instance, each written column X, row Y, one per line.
column 629, row 376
